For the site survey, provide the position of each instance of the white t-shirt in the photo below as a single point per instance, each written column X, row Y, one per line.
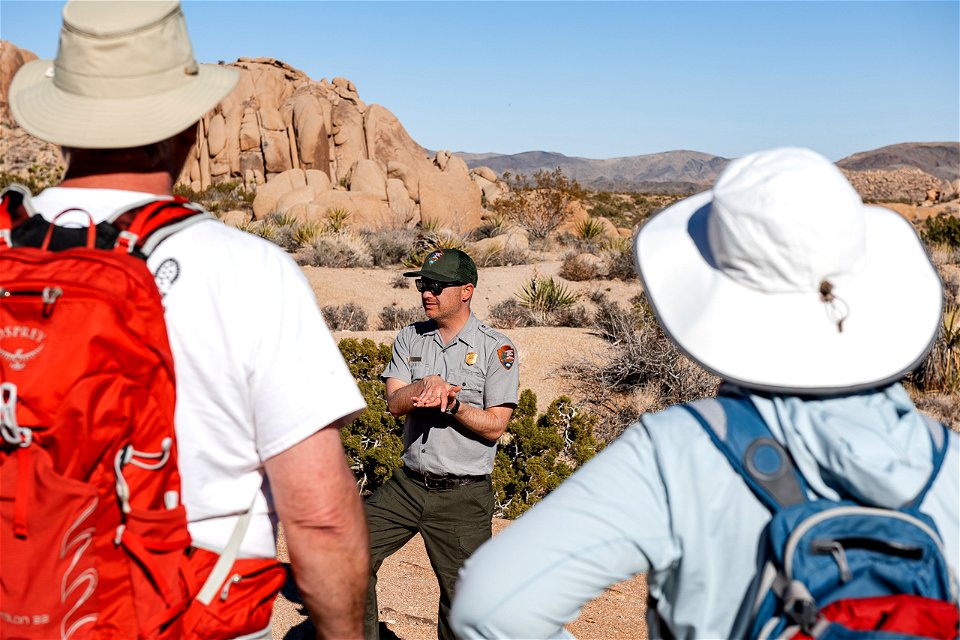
column 257, row 369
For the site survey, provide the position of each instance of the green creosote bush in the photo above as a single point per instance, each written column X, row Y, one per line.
column 943, row 229
column 374, row 441
column 393, row 318
column 345, row 317
column 538, row 453
column 535, row 455
column 545, row 297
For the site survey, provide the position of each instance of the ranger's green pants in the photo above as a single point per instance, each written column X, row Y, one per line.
column 453, row 523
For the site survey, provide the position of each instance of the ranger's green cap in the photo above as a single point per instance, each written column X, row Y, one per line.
column 447, row 265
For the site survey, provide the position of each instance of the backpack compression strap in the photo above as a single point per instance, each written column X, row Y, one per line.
column 142, row 229
column 739, row 432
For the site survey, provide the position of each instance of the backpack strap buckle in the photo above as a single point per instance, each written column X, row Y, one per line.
column 126, row 242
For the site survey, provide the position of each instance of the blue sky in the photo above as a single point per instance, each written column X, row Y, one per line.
column 605, row 79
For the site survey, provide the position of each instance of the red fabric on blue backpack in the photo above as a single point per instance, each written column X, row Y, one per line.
column 904, row 614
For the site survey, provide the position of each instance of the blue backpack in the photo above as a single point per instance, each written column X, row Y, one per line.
column 832, row 569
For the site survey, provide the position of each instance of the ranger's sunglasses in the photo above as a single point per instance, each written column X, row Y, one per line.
column 433, row 286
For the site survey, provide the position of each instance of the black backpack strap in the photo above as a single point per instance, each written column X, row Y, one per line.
column 740, row 433
column 939, row 443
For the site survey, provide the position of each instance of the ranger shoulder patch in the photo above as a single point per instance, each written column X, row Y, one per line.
column 507, row 355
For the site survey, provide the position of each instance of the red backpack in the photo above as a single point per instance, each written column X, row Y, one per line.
column 93, row 537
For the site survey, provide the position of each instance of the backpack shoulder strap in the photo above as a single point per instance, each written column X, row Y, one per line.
column 15, row 207
column 939, row 443
column 739, row 432
column 144, row 227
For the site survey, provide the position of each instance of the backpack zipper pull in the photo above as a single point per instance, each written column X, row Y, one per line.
column 834, row 548
column 234, row 579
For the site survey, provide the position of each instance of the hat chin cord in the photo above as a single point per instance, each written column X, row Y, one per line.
column 836, row 307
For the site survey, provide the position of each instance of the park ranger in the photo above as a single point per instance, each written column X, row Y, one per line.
column 456, row 380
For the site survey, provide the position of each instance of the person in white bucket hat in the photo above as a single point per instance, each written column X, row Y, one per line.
column 261, row 385
column 810, row 306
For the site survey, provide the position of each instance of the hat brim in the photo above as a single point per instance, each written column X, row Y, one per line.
column 786, row 342
column 83, row 122
column 429, row 274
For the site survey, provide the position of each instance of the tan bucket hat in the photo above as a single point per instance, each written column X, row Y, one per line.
column 124, row 76
column 781, row 279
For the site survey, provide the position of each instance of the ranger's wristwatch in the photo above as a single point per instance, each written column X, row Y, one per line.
column 452, row 409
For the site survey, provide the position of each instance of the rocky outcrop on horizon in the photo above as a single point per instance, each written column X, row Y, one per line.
column 279, row 124
column 311, row 147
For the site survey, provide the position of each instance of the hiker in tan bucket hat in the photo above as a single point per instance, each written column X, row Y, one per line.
column 261, row 386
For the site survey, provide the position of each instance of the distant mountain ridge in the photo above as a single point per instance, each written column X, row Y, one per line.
column 669, row 171
column 690, row 171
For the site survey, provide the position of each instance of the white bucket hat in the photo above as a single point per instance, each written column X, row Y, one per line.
column 781, row 279
column 124, row 76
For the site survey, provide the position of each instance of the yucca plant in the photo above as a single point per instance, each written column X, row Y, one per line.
column 589, row 229
column 545, row 296
column 337, row 218
column 307, row 232
column 940, row 373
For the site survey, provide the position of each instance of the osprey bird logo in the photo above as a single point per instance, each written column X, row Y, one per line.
column 19, row 345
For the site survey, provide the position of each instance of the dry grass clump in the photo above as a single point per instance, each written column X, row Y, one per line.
column 393, row 317
column 509, row 314
column 390, row 246
column 644, row 363
column 345, row 317
column 580, row 267
column 338, row 250
column 506, row 256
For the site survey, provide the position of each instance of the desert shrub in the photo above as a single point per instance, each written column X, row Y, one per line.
column 305, row 233
column 342, row 250
column 220, row 197
column 390, row 247
column 374, row 441
column 393, row 317
column 400, row 282
column 261, row 228
column 940, row 371
column 429, row 240
column 620, row 263
column 574, row 316
column 492, row 226
column 545, row 297
column 644, row 360
column 538, row 453
column 509, row 314
column 345, row 317
column 578, row 267
column 539, row 206
column 942, row 229
column 501, row 257
column 36, row 178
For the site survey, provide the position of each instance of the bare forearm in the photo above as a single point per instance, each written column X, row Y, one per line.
column 317, row 501
column 400, row 402
column 488, row 423
column 331, row 568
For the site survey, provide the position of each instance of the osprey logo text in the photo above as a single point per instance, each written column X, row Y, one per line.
column 20, row 344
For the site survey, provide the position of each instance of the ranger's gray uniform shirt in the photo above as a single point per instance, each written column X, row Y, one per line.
column 479, row 359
